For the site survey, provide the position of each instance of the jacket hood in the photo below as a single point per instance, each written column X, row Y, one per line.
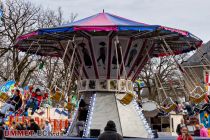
column 110, row 126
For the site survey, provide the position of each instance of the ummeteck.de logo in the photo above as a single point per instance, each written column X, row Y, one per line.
column 12, row 133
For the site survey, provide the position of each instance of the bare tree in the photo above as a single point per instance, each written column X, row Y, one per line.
column 169, row 75
column 21, row 17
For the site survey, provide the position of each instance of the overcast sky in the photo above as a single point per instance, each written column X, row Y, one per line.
column 190, row 15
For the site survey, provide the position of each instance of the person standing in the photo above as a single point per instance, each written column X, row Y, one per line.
column 179, row 126
column 203, row 131
column 82, row 115
column 48, row 127
column 197, row 131
column 33, row 126
column 25, row 125
column 13, row 126
column 1, row 131
column 184, row 134
column 110, row 132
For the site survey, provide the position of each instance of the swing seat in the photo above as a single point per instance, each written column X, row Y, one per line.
column 57, row 97
column 127, row 99
column 197, row 98
column 4, row 97
column 170, row 105
column 69, row 106
column 170, row 108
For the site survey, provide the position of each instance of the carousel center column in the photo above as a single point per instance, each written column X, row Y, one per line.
column 105, row 105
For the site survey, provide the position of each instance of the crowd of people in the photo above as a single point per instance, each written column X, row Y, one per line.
column 183, row 134
column 31, row 125
column 19, row 104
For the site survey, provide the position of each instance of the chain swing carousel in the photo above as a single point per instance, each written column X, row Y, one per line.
column 110, row 53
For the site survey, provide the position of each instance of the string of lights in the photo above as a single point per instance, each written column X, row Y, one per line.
column 142, row 117
column 73, row 120
column 89, row 116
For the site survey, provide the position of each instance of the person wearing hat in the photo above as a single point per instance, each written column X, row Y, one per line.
column 102, row 53
column 35, row 99
column 48, row 127
column 110, row 132
column 14, row 103
column 86, row 55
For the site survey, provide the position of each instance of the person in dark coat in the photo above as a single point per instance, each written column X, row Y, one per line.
column 197, row 131
column 110, row 132
column 1, row 131
column 179, row 127
column 82, row 116
column 189, row 109
column 14, row 103
column 34, row 126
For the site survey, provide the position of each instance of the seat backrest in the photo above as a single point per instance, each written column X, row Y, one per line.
column 57, row 96
column 197, row 99
column 127, row 98
column 4, row 97
column 170, row 108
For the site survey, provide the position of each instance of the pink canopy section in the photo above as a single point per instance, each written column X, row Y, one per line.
column 102, row 24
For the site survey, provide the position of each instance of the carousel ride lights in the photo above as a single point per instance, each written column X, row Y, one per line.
column 90, row 31
column 74, row 118
column 88, row 121
column 142, row 117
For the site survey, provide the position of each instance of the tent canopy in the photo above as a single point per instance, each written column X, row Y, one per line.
column 106, row 24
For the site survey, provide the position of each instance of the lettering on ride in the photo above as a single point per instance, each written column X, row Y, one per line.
column 21, row 133
column 12, row 133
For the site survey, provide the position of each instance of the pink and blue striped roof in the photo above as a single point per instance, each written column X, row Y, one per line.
column 103, row 22
column 106, row 19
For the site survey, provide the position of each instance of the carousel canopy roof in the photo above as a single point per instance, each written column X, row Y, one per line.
column 199, row 57
column 104, row 24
